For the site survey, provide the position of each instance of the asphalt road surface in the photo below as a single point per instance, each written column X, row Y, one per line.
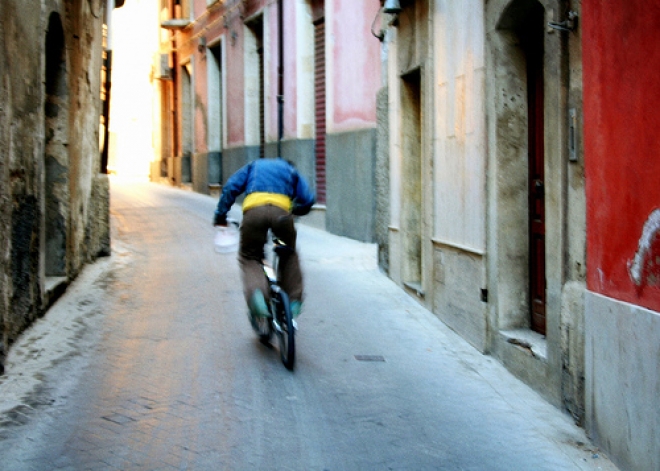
column 148, row 362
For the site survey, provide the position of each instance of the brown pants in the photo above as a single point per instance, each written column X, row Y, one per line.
column 254, row 231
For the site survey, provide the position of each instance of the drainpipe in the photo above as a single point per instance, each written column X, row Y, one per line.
column 280, row 84
column 107, row 65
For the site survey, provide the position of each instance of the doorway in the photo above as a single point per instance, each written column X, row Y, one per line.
column 411, row 151
column 187, row 120
column 518, row 52
column 215, row 113
column 532, row 41
column 255, row 126
column 56, row 157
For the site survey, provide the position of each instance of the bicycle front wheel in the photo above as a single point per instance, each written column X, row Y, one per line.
column 286, row 333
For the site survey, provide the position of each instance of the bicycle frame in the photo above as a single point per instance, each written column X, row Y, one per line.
column 280, row 322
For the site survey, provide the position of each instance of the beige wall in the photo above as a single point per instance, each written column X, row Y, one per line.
column 473, row 175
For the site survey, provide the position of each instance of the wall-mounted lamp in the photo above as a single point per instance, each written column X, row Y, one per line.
column 392, row 7
column 201, row 45
column 569, row 24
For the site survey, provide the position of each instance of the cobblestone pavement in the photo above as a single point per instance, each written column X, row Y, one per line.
column 148, row 362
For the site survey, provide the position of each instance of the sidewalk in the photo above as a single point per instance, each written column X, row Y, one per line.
column 414, row 326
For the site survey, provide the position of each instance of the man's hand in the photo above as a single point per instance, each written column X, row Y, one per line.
column 220, row 220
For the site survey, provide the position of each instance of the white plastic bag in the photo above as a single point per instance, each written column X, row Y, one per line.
column 226, row 239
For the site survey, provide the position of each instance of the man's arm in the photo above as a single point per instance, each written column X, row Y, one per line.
column 234, row 187
column 304, row 199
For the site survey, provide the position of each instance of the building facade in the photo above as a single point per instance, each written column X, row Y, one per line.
column 219, row 97
column 485, row 224
column 54, row 199
column 522, row 202
column 622, row 303
column 487, row 147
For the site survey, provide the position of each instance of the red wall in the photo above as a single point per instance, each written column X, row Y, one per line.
column 621, row 53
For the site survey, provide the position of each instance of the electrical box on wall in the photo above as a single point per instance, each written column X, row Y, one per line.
column 162, row 66
column 572, row 135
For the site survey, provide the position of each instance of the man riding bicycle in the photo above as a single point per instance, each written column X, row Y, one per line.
column 275, row 192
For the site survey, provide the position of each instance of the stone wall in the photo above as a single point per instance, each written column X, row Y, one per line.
column 382, row 181
column 350, row 184
column 54, row 205
column 622, row 381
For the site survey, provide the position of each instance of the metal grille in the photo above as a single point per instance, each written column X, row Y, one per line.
column 262, row 112
column 319, row 107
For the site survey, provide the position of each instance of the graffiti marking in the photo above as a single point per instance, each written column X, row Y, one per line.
column 644, row 258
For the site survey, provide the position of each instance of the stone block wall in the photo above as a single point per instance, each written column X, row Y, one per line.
column 54, row 203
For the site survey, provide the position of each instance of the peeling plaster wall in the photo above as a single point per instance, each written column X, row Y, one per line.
column 622, row 304
column 6, row 116
column 622, row 164
column 49, row 152
column 20, row 156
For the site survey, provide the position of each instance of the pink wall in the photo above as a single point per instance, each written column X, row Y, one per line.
column 356, row 54
column 354, row 81
column 290, row 94
column 235, row 83
column 621, row 52
column 199, row 6
column 211, row 26
column 200, row 85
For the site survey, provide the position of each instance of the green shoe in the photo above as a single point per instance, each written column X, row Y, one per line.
column 296, row 307
column 257, row 304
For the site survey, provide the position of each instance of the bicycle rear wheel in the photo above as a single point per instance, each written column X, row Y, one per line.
column 286, row 333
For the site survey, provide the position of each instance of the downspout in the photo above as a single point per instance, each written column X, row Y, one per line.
column 107, row 85
column 280, row 83
column 107, row 65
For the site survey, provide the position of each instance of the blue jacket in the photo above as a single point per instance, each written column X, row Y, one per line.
column 267, row 175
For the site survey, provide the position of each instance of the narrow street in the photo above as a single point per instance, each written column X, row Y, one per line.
column 150, row 363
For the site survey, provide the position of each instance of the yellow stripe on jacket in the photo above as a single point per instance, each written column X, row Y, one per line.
column 261, row 199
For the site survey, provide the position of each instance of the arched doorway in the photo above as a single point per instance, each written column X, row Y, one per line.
column 56, row 157
column 518, row 53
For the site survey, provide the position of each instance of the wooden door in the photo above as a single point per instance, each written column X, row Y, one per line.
column 537, row 284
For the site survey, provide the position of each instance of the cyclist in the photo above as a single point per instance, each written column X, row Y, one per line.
column 275, row 192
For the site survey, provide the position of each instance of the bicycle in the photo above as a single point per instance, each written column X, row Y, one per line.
column 280, row 321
